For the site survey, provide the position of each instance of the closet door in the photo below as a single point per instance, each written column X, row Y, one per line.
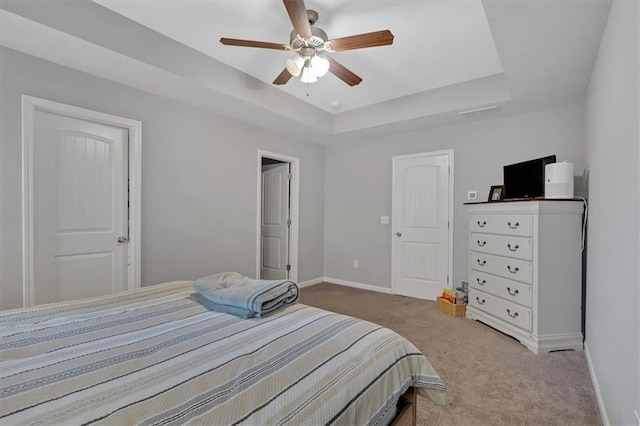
column 275, row 222
column 80, row 208
column 421, row 229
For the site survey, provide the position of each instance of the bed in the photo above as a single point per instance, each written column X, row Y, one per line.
column 157, row 356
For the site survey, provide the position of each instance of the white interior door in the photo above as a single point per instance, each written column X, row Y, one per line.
column 80, row 178
column 421, row 225
column 275, row 222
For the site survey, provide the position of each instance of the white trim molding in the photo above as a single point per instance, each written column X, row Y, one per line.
column 361, row 286
column 596, row 387
column 29, row 106
column 293, row 211
column 309, row 283
column 353, row 284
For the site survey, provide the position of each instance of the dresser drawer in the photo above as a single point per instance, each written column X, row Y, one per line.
column 506, row 311
column 512, row 291
column 518, row 247
column 521, row 225
column 512, row 269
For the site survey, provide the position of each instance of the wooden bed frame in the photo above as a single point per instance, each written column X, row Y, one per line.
column 407, row 409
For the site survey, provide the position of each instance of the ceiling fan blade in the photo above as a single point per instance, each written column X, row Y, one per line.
column 343, row 73
column 360, row 41
column 298, row 15
column 252, row 43
column 282, row 78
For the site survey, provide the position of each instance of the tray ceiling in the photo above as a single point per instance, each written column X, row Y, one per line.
column 437, row 43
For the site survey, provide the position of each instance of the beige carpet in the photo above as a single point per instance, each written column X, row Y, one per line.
column 491, row 378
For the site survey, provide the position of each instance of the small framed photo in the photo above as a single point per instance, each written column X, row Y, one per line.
column 496, row 193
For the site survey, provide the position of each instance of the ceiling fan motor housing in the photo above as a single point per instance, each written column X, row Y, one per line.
column 317, row 39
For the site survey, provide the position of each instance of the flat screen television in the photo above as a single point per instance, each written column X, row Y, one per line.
column 526, row 179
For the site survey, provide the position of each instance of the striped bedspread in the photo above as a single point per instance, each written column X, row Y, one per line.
column 156, row 356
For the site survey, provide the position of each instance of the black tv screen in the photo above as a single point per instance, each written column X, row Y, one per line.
column 526, row 179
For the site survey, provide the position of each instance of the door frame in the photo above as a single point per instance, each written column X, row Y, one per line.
column 449, row 153
column 294, row 197
column 32, row 104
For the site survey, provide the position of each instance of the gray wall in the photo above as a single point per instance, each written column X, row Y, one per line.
column 611, row 120
column 358, row 182
column 198, row 178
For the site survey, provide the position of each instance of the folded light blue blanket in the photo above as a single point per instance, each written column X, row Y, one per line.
column 235, row 294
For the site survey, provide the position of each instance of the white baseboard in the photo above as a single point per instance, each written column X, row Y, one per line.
column 361, row 286
column 309, row 283
column 596, row 387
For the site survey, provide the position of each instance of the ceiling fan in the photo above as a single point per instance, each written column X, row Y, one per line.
column 309, row 42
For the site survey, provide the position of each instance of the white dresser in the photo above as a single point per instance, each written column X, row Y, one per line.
column 525, row 271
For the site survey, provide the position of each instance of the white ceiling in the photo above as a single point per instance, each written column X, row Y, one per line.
column 546, row 52
column 437, row 43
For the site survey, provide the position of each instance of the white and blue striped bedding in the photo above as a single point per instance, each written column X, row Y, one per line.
column 156, row 356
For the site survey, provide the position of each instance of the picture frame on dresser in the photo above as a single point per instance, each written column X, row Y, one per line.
column 496, row 193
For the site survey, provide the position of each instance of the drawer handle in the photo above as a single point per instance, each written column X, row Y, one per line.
column 514, row 315
column 482, row 244
column 482, row 302
column 483, row 282
column 514, row 270
column 514, row 293
column 516, row 247
column 482, row 224
column 515, row 225
column 484, row 262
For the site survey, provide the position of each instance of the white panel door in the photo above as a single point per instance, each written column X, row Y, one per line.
column 420, row 218
column 79, row 208
column 275, row 214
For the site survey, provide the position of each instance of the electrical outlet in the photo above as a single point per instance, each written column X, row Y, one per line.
column 356, row 264
column 472, row 195
column 384, row 220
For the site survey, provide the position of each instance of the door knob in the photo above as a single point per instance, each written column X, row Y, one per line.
column 398, row 234
column 123, row 239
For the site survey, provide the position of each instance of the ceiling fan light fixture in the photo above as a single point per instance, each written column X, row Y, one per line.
column 294, row 65
column 320, row 65
column 308, row 76
column 307, row 41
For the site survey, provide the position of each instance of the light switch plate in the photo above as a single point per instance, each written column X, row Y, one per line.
column 472, row 195
column 384, row 220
